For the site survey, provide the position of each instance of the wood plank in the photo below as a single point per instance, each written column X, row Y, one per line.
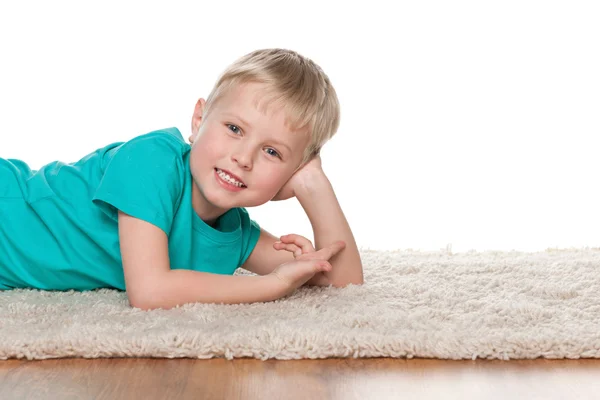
column 377, row 378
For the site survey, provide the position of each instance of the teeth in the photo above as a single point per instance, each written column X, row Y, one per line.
column 229, row 178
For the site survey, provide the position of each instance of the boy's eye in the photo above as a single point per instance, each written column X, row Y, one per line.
column 236, row 130
column 232, row 127
column 274, row 153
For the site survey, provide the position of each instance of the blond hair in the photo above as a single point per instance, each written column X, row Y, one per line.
column 295, row 83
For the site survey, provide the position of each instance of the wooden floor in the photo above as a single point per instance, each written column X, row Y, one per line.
column 303, row 379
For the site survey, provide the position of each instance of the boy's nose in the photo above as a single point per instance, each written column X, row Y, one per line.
column 243, row 158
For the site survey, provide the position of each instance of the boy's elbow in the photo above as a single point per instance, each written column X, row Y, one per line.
column 141, row 303
column 145, row 299
column 148, row 305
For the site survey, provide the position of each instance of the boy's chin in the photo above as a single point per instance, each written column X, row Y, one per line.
column 254, row 202
column 224, row 202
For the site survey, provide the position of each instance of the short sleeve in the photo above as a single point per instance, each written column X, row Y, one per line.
column 144, row 178
column 250, row 234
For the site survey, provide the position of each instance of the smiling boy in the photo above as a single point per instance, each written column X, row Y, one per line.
column 166, row 221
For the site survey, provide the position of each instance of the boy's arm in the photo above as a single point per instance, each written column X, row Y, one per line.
column 318, row 199
column 150, row 282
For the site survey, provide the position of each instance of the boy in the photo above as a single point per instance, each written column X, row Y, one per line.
column 166, row 222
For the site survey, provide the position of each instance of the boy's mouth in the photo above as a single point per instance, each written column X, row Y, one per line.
column 230, row 178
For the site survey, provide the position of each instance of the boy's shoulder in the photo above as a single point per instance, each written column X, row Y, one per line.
column 168, row 142
column 172, row 135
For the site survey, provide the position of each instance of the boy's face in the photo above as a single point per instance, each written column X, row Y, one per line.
column 235, row 136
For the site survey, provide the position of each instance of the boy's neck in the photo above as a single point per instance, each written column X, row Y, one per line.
column 210, row 217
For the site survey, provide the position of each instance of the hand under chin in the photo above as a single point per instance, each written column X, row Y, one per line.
column 284, row 193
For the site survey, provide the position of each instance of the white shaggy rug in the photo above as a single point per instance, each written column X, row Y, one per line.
column 494, row 305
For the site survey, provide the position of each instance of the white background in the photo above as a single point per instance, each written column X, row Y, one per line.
column 470, row 123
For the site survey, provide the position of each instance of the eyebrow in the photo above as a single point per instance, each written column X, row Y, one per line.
column 244, row 122
column 241, row 119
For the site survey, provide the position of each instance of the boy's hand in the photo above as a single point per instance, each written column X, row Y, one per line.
column 300, row 177
column 299, row 245
column 295, row 244
column 293, row 274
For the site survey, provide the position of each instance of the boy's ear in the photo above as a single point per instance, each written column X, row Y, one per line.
column 197, row 118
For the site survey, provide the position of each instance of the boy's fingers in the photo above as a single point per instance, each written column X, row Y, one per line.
column 324, row 254
column 292, row 248
column 300, row 241
column 323, row 266
column 286, row 246
column 332, row 249
column 319, row 265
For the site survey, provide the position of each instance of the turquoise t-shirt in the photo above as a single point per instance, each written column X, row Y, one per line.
column 59, row 226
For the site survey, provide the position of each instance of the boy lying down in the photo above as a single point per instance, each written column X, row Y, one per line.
column 166, row 220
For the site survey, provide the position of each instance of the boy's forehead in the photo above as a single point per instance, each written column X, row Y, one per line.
column 250, row 95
